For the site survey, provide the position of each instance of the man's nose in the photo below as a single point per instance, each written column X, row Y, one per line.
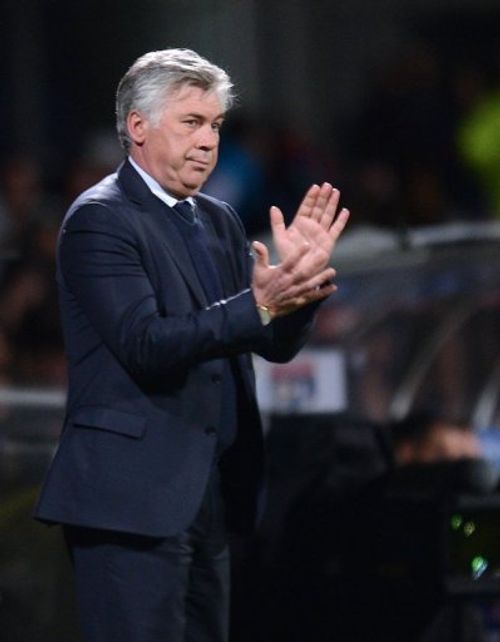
column 208, row 137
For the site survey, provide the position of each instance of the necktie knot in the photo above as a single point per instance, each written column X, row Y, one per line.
column 186, row 211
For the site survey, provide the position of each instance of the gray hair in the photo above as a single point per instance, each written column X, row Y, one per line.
column 158, row 74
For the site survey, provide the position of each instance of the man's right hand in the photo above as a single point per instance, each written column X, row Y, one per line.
column 298, row 280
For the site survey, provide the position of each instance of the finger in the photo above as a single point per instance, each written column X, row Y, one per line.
column 309, row 297
column 321, row 202
column 331, row 208
column 277, row 218
column 278, row 227
column 320, row 293
column 339, row 224
column 302, row 282
column 261, row 254
column 309, row 201
column 321, row 280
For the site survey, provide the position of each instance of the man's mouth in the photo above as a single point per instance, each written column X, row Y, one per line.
column 202, row 163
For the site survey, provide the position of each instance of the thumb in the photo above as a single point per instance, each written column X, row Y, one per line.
column 277, row 219
column 261, row 254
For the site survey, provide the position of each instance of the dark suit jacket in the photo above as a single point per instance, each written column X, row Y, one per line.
column 144, row 351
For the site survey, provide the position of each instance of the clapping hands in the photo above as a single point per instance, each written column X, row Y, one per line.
column 304, row 249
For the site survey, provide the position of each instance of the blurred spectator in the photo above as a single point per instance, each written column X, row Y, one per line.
column 29, row 311
column 101, row 154
column 22, row 200
column 29, row 222
column 406, row 169
column 424, row 438
column 478, row 140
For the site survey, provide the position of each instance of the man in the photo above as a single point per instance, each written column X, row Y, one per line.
column 161, row 306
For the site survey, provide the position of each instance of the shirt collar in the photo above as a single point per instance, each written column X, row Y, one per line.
column 156, row 188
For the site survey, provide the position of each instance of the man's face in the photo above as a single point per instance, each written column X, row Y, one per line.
column 180, row 151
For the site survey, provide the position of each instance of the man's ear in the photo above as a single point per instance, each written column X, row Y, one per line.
column 137, row 127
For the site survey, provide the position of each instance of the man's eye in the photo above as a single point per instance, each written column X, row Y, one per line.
column 216, row 126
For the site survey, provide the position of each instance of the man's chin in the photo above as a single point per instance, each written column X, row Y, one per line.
column 193, row 186
column 192, row 190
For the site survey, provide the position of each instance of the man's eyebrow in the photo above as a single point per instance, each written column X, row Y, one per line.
column 194, row 114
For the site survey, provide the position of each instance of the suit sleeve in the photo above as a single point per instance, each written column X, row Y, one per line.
column 101, row 266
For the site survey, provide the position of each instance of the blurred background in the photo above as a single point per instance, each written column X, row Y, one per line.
column 383, row 435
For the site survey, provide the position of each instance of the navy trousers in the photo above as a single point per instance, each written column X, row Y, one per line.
column 132, row 588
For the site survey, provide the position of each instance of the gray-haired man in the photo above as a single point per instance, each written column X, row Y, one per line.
column 162, row 305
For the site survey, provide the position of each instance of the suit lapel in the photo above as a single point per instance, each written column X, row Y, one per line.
column 139, row 193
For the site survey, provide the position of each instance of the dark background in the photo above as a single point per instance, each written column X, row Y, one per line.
column 372, row 95
column 306, row 64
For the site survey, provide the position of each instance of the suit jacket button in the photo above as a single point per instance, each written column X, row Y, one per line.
column 210, row 430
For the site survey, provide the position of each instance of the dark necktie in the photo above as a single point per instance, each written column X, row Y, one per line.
column 199, row 244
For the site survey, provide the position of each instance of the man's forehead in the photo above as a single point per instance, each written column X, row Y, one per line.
column 188, row 95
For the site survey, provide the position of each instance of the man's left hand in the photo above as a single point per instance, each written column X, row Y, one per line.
column 316, row 222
